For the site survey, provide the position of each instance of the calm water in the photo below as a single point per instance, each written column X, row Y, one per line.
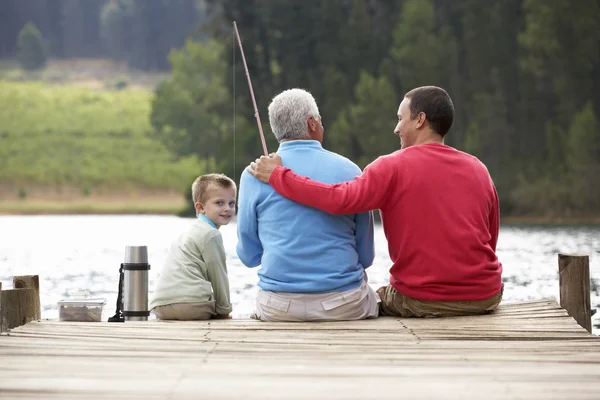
column 73, row 253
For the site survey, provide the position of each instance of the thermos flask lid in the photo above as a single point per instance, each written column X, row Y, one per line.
column 136, row 254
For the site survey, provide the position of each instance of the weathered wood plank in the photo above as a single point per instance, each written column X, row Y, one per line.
column 574, row 284
column 504, row 355
column 18, row 307
column 30, row 282
column 227, row 380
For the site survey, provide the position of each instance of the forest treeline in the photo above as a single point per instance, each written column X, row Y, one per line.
column 524, row 76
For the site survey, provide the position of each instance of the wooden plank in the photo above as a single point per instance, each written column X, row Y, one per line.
column 18, row 307
column 30, row 282
column 274, row 381
column 574, row 284
column 504, row 355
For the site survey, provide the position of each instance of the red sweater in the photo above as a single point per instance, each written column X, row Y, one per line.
column 440, row 215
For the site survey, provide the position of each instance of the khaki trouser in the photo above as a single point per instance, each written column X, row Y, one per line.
column 353, row 304
column 393, row 303
column 186, row 311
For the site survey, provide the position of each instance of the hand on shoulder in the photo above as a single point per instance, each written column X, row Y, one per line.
column 263, row 167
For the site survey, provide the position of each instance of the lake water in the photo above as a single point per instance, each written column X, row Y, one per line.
column 72, row 253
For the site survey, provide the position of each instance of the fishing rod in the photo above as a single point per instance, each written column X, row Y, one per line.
column 262, row 136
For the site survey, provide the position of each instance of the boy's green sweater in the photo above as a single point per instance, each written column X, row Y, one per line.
column 195, row 270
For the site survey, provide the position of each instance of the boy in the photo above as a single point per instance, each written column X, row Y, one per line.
column 193, row 284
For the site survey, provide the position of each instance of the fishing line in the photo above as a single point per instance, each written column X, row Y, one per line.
column 233, row 78
column 262, row 136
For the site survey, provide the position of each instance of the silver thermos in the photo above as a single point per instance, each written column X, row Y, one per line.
column 135, row 283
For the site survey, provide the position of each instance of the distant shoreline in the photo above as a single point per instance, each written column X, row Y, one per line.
column 154, row 207
column 555, row 221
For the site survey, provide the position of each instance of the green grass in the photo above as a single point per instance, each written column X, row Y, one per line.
column 87, row 138
column 90, row 207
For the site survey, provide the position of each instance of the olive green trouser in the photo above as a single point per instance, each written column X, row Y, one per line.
column 394, row 303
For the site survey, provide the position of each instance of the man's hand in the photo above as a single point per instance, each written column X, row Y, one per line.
column 262, row 167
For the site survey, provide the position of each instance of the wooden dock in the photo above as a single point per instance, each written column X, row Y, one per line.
column 532, row 350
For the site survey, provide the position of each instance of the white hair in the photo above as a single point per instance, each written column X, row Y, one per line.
column 288, row 113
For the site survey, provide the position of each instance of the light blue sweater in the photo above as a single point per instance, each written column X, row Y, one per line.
column 301, row 249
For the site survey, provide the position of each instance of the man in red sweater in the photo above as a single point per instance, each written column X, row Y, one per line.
column 438, row 206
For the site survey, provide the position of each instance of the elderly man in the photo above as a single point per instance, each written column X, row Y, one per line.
column 312, row 263
column 439, row 209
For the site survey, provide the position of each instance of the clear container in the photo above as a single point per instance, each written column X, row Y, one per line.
column 82, row 309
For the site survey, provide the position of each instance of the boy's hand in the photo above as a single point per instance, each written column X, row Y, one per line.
column 221, row 316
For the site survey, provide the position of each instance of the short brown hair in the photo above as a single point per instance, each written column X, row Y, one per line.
column 437, row 105
column 203, row 182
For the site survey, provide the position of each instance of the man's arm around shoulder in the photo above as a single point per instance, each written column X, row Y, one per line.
column 364, row 193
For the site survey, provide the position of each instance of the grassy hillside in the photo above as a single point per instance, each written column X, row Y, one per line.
column 92, row 73
column 75, row 137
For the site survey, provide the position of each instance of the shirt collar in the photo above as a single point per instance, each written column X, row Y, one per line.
column 300, row 143
column 204, row 218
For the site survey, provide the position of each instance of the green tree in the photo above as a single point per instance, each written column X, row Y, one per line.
column 81, row 27
column 562, row 55
column 157, row 26
column 583, row 141
column 115, row 29
column 364, row 130
column 559, row 60
column 489, row 81
column 189, row 108
column 357, row 31
column 317, row 45
column 488, row 134
column 517, row 70
column 32, row 51
column 423, row 53
column 583, row 160
column 192, row 110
